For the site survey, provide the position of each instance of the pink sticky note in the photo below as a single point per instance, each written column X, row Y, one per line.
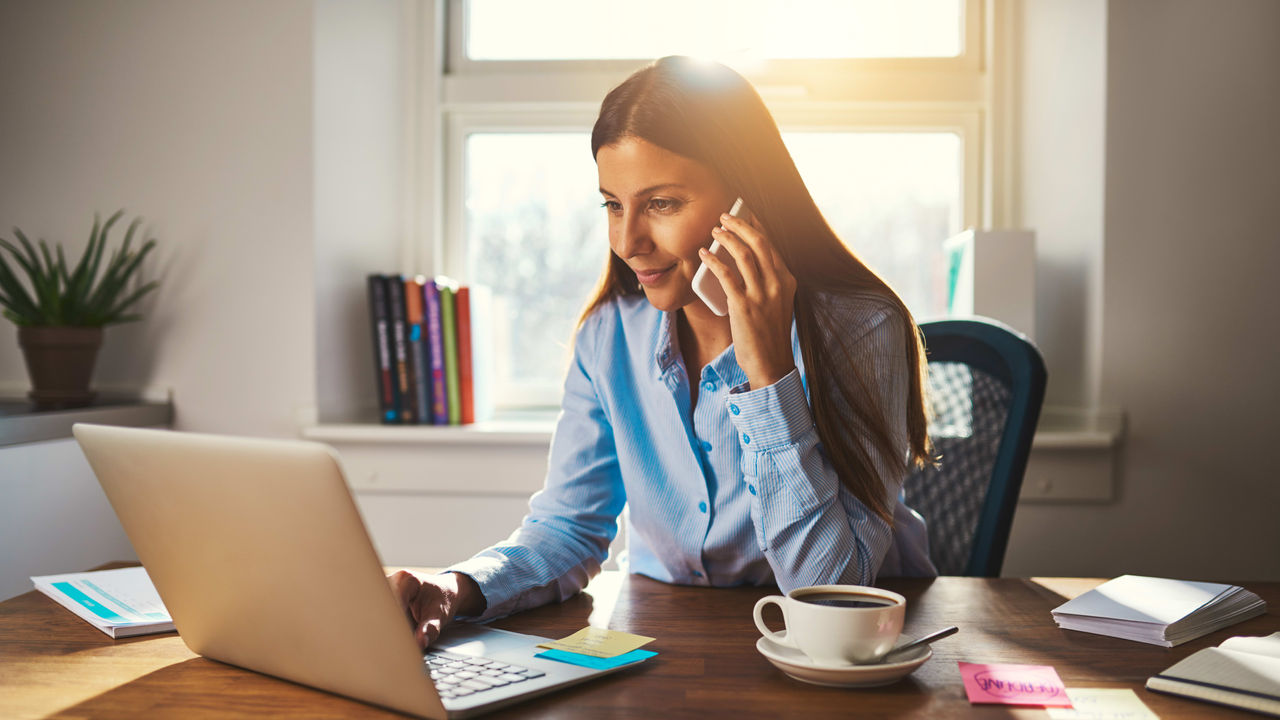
column 1014, row 684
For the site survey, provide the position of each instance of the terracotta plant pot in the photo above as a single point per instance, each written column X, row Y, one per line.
column 60, row 363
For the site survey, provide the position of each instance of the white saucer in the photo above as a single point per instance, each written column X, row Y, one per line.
column 797, row 665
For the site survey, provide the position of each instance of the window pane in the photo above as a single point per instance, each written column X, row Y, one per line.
column 536, row 235
column 721, row 29
column 893, row 198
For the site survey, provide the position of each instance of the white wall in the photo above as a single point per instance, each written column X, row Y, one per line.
column 197, row 115
column 1148, row 163
column 364, row 153
column 54, row 518
column 1061, row 151
column 1190, row 342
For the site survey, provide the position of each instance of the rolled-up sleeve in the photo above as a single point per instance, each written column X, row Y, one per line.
column 811, row 529
column 563, row 540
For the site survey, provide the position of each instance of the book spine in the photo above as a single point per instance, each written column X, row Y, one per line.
column 435, row 341
column 395, row 297
column 418, row 356
column 380, row 320
column 466, row 394
column 449, row 320
column 482, row 351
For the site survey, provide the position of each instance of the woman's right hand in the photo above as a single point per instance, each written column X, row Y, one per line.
column 431, row 601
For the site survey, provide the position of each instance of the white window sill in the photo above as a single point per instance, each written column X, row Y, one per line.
column 1060, row 428
column 492, row 432
column 1072, row 459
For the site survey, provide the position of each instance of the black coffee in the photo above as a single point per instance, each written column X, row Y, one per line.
column 845, row 600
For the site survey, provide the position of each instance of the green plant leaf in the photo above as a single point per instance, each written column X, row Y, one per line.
column 31, row 251
column 57, row 294
column 17, row 255
column 45, row 287
column 30, row 263
column 118, row 275
column 102, row 292
column 113, row 316
column 16, row 294
column 79, row 279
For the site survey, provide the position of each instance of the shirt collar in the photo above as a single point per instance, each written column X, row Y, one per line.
column 725, row 365
column 664, row 347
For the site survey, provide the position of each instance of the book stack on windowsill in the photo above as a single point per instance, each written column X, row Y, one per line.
column 431, row 354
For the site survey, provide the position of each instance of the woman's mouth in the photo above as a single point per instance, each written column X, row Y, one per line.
column 652, row 276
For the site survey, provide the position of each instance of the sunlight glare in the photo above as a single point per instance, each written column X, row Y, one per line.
column 732, row 32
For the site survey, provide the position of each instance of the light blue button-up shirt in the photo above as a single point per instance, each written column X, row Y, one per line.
column 733, row 490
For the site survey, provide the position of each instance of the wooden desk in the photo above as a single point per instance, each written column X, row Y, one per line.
column 54, row 664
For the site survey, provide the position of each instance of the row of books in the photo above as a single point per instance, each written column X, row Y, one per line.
column 426, row 340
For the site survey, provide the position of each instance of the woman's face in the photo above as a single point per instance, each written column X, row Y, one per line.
column 662, row 207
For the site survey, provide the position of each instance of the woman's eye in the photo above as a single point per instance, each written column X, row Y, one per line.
column 613, row 206
column 664, row 204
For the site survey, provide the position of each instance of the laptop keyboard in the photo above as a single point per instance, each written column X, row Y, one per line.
column 462, row 675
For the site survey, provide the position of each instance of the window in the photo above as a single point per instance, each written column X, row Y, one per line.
column 884, row 106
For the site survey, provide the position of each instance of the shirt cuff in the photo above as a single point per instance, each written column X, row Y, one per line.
column 487, row 574
column 773, row 416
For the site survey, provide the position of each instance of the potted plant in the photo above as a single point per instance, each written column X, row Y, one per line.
column 61, row 311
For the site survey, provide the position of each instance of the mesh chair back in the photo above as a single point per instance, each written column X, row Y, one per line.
column 986, row 384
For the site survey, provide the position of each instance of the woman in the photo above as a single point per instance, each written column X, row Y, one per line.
column 766, row 446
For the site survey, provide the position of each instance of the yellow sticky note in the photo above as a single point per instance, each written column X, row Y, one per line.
column 598, row 642
column 1103, row 704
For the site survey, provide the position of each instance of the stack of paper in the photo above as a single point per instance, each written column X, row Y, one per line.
column 1159, row 611
column 120, row 603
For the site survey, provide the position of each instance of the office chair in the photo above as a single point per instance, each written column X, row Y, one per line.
column 986, row 385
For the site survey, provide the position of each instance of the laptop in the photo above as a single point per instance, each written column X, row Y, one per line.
column 260, row 555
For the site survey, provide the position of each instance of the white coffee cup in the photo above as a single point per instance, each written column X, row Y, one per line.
column 837, row 624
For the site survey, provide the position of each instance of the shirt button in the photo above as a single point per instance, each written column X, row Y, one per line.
column 746, row 440
column 734, row 409
column 702, row 507
column 752, row 488
column 708, row 385
column 706, row 446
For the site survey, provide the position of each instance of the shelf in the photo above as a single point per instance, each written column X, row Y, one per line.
column 493, row 432
column 21, row 423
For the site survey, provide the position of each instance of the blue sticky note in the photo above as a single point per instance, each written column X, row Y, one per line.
column 596, row 663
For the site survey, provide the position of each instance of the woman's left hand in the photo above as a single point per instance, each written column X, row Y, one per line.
column 761, row 292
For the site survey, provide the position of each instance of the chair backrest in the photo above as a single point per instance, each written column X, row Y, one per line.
column 986, row 385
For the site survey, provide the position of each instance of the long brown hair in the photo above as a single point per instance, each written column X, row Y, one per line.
column 709, row 113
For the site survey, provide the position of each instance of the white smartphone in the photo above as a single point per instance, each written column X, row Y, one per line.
column 705, row 283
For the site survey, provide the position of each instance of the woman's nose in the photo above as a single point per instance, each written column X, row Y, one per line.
column 631, row 236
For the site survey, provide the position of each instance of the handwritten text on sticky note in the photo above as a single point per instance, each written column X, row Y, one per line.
column 598, row 642
column 1014, row 684
column 1103, row 704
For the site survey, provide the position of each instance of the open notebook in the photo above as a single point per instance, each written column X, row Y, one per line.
column 1242, row 672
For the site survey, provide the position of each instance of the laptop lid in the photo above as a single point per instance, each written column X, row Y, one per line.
column 262, row 559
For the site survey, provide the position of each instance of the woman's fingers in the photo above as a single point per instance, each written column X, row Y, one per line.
column 429, row 614
column 765, row 254
column 425, row 605
column 744, row 265
column 404, row 586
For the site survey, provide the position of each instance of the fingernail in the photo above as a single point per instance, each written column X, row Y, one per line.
column 725, row 217
column 703, row 251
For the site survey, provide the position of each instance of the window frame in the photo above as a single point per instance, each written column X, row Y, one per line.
column 956, row 95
